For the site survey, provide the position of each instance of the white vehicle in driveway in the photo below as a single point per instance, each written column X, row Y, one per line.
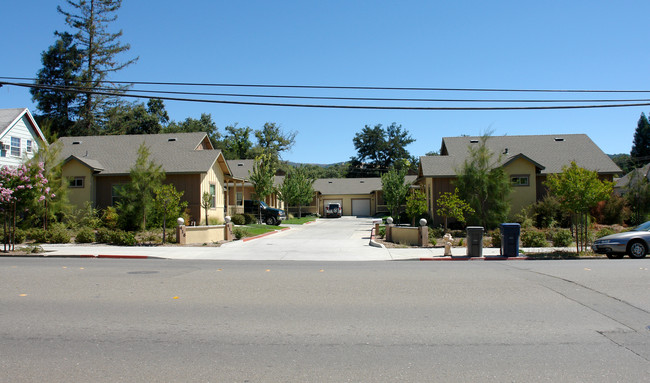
column 333, row 210
column 634, row 243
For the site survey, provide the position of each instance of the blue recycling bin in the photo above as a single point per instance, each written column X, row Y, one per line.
column 510, row 239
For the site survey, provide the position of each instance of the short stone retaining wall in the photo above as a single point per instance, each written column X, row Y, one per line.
column 203, row 234
column 411, row 236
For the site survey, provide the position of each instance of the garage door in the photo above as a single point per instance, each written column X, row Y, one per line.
column 329, row 201
column 361, row 207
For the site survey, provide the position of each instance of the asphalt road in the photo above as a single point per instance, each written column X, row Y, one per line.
column 97, row 320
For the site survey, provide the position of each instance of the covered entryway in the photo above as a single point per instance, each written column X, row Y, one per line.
column 361, row 207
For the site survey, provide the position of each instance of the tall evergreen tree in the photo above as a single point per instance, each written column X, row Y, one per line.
column 61, row 64
column 90, row 19
column 641, row 147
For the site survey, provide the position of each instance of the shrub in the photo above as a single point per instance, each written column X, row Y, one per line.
column 103, row 235
column 110, row 217
column 437, row 232
column 37, row 235
column 240, row 232
column 123, row 238
column 382, row 232
column 549, row 212
column 58, row 234
column 19, row 235
column 85, row 235
column 495, row 237
column 238, row 219
column 171, row 236
column 611, row 212
column 604, row 231
column 249, row 218
column 561, row 238
column 533, row 238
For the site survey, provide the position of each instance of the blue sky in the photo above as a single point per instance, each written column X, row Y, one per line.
column 460, row 44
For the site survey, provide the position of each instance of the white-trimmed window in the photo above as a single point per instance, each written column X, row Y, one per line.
column 76, row 182
column 240, row 198
column 520, row 180
column 29, row 145
column 213, row 194
column 15, row 146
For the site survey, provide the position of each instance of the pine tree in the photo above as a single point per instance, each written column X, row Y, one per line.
column 641, row 147
column 90, row 19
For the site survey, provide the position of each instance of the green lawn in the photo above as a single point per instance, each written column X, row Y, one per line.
column 299, row 221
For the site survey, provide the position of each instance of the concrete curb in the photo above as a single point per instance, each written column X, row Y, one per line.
column 372, row 240
column 463, row 258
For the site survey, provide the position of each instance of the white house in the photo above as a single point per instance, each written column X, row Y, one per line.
column 20, row 136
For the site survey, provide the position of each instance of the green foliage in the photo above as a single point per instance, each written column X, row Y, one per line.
column 484, row 185
column 37, row 235
column 99, row 49
column 637, row 195
column 450, row 205
column 240, row 232
column 641, row 146
column 206, row 204
column 19, row 236
column 432, row 237
column 605, row 231
column 249, row 218
column 204, row 125
column 379, row 150
column 136, row 197
column 85, row 235
column 237, row 144
column 238, row 219
column 382, row 232
column 394, row 189
column 561, row 237
column 57, row 233
column 549, row 213
column 416, row 205
column 533, row 238
column 611, row 212
column 122, row 238
column 55, row 206
column 297, row 188
column 61, row 66
column 624, row 161
column 495, row 237
column 262, row 176
column 272, row 141
column 167, row 205
column 127, row 118
column 103, row 235
column 526, row 217
column 85, row 216
column 110, row 217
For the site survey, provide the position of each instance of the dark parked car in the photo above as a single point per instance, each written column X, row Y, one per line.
column 333, row 210
column 634, row 243
column 269, row 215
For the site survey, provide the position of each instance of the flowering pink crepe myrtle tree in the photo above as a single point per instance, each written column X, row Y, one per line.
column 18, row 187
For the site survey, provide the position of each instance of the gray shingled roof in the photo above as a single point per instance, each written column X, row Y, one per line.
column 552, row 152
column 117, row 154
column 240, row 168
column 641, row 172
column 7, row 116
column 343, row 186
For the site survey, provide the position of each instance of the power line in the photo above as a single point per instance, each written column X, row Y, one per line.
column 81, row 90
column 359, row 87
column 368, row 107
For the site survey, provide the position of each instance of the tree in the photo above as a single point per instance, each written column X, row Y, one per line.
column 55, row 204
column 132, row 118
column 167, row 203
column 641, row 147
column 378, row 149
column 637, row 194
column 137, row 196
column 416, row 204
column 579, row 190
column 394, row 190
column 450, row 205
column 90, row 19
column 272, row 140
column 484, row 185
column 206, row 204
column 61, row 64
column 237, row 144
column 203, row 124
column 623, row 161
column 262, row 177
column 297, row 188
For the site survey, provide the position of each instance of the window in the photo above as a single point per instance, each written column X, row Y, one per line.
column 76, row 182
column 116, row 191
column 213, row 193
column 15, row 146
column 519, row 180
column 239, row 197
column 29, row 146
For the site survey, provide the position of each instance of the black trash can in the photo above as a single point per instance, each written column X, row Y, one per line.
column 510, row 239
column 474, row 241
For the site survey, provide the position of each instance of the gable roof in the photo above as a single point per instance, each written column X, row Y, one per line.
column 240, row 168
column 115, row 155
column 9, row 117
column 344, row 186
column 548, row 152
column 640, row 173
